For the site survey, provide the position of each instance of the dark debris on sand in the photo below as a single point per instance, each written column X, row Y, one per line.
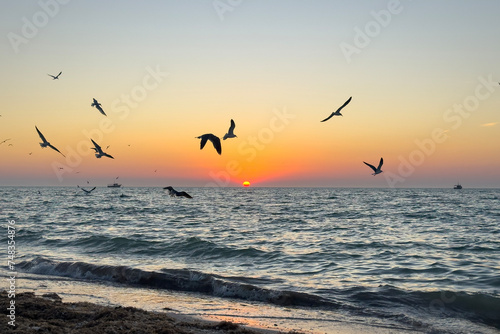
column 48, row 314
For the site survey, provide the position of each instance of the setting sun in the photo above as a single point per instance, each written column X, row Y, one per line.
column 246, row 184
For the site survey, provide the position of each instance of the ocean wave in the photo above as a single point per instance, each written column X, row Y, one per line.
column 198, row 247
column 173, row 279
column 190, row 247
column 476, row 307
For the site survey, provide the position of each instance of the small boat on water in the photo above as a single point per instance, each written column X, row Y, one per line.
column 114, row 185
column 457, row 186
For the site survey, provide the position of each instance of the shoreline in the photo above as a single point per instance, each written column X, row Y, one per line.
column 48, row 313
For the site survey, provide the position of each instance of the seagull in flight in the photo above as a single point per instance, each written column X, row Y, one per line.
column 4, row 141
column 85, row 190
column 377, row 170
column 230, row 132
column 46, row 143
column 98, row 107
column 99, row 152
column 213, row 138
column 337, row 112
column 55, row 77
column 172, row 192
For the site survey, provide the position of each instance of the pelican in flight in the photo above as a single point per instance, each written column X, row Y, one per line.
column 46, row 143
column 230, row 132
column 213, row 138
column 99, row 152
column 97, row 105
column 337, row 112
column 172, row 192
column 377, row 170
column 55, row 77
column 85, row 190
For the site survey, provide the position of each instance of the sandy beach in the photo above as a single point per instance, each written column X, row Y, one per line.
column 47, row 313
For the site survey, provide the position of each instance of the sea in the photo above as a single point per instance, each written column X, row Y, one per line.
column 310, row 259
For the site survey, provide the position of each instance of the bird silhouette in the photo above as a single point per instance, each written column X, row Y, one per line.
column 55, row 77
column 213, row 138
column 46, row 143
column 230, row 132
column 97, row 105
column 377, row 170
column 337, row 112
column 99, row 152
column 172, row 192
column 87, row 191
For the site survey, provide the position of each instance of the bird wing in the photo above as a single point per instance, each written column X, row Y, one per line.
column 216, row 141
column 107, row 155
column 345, row 103
column 380, row 163
column 371, row 166
column 338, row 110
column 92, row 189
column 184, row 194
column 326, row 119
column 59, row 73
column 50, row 75
column 204, row 139
column 171, row 191
column 231, row 128
column 97, row 147
column 98, row 107
column 40, row 134
column 54, row 148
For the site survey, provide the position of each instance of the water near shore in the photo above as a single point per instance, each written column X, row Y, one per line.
column 425, row 260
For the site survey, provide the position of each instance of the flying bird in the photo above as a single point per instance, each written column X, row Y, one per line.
column 213, row 138
column 4, row 141
column 56, row 77
column 46, row 143
column 99, row 152
column 97, row 105
column 230, row 132
column 85, row 190
column 172, row 192
column 337, row 112
column 377, row 170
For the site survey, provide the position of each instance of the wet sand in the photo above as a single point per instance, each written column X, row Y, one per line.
column 48, row 314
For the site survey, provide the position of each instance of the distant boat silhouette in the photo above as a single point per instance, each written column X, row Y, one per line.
column 457, row 186
column 115, row 184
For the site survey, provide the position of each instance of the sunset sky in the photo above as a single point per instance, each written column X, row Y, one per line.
column 423, row 76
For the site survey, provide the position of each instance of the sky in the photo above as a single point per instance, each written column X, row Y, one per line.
column 423, row 76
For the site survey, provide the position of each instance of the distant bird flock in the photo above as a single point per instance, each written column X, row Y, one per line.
column 215, row 140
